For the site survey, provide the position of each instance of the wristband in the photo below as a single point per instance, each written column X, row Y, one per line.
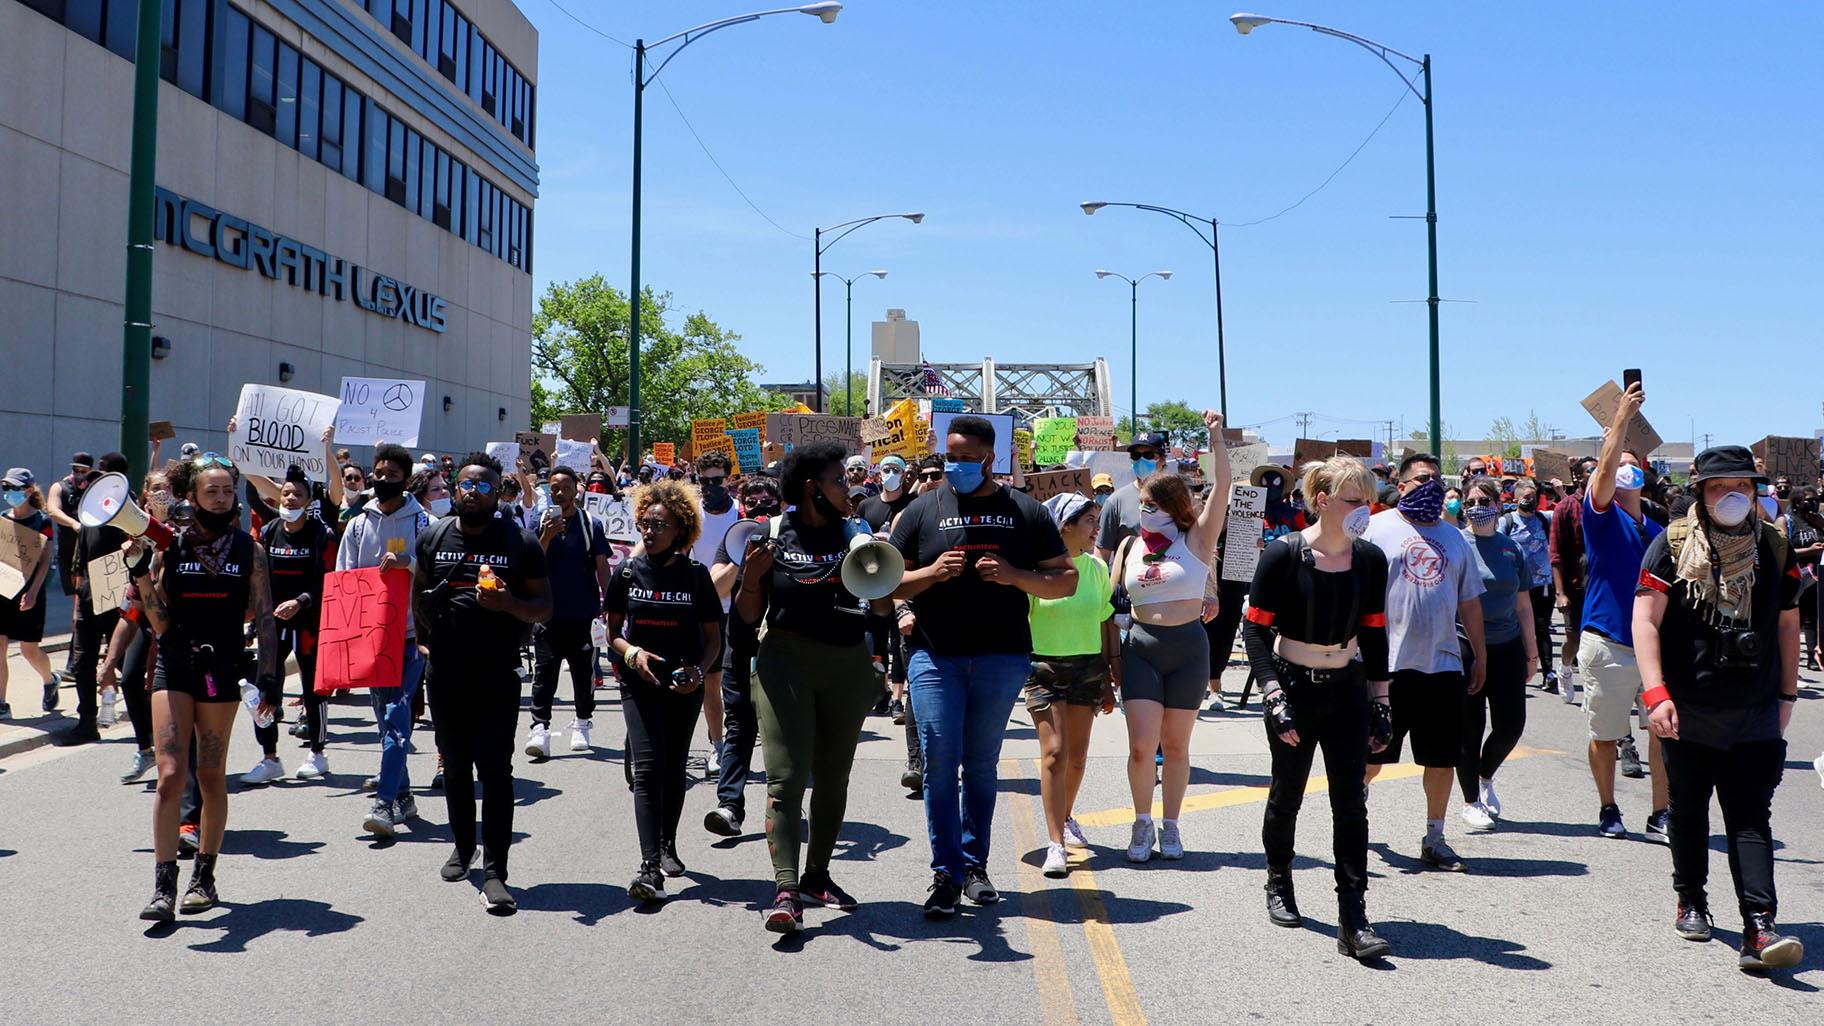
column 1788, row 698
column 628, row 656
column 1655, row 695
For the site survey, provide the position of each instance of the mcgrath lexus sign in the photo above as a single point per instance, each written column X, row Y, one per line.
column 234, row 241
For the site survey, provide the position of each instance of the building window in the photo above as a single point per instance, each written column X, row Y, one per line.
column 402, row 20
column 351, row 134
column 310, row 94
column 122, row 27
column 262, row 103
column 286, row 130
column 395, row 161
column 231, row 80
column 330, row 151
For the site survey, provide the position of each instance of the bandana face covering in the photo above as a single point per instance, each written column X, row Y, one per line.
column 1424, row 504
column 1482, row 514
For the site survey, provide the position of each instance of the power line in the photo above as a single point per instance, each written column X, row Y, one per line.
column 1332, row 177
column 755, row 207
column 590, row 27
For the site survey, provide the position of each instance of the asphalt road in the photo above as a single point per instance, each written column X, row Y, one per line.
column 321, row 925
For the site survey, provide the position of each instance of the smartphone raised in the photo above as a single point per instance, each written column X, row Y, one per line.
column 1630, row 378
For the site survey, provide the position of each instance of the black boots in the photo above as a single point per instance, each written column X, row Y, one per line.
column 163, row 906
column 1354, row 937
column 201, row 896
column 1282, row 907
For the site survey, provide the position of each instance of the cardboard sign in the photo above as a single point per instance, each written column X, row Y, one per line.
column 1360, row 448
column 747, row 449
column 506, row 453
column 108, row 581
column 1550, row 463
column 537, row 448
column 1022, row 447
column 580, row 427
column 616, row 514
column 1242, row 461
column 577, row 455
column 377, row 411
column 1044, row 485
column 664, row 453
column 361, row 639
column 874, row 431
column 19, row 550
column 1095, row 433
column 1796, row 458
column 1601, row 406
column 161, row 430
column 1307, row 450
column 795, row 429
column 277, row 427
column 1246, row 531
column 1052, row 438
column 1003, row 436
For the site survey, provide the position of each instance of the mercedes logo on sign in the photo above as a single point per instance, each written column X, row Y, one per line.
column 398, row 397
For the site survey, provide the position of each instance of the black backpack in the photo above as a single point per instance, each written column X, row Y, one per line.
column 516, row 550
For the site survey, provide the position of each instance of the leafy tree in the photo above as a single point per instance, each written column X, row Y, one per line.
column 1505, row 436
column 836, row 401
column 1181, row 424
column 580, row 363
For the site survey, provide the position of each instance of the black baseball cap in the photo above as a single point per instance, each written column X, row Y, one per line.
column 1152, row 439
column 81, row 459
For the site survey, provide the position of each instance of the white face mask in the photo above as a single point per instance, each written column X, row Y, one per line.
column 1629, row 477
column 1731, row 509
column 292, row 516
column 890, row 480
column 1157, row 521
column 440, row 507
column 1356, row 523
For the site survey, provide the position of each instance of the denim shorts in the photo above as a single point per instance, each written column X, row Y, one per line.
column 1067, row 680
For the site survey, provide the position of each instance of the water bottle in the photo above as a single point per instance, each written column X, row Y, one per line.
column 109, row 711
column 250, row 695
column 598, row 633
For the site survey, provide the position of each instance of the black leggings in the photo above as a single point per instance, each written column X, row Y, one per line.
column 556, row 644
column 133, row 665
column 1542, row 624
column 1332, row 716
column 660, row 724
column 1743, row 778
column 304, row 643
column 1222, row 630
column 1502, row 708
column 475, row 716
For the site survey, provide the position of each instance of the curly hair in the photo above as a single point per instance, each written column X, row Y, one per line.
column 677, row 497
column 714, row 459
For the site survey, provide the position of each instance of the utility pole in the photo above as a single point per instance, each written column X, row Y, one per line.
column 1304, row 423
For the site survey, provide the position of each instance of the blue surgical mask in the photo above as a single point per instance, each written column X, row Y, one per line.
column 440, row 507
column 1145, row 468
column 964, row 477
column 13, row 497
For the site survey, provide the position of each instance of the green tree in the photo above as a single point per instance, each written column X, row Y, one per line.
column 580, row 363
column 1181, row 424
column 1505, row 436
column 836, row 402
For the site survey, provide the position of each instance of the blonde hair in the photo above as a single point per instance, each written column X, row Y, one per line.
column 679, row 499
column 1334, row 474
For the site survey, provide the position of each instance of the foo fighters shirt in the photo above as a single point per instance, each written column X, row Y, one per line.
column 966, row 615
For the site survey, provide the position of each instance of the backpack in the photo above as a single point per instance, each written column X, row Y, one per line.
column 516, row 548
column 1678, row 530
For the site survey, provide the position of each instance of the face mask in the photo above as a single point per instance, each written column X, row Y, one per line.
column 440, row 507
column 1356, row 523
column 1629, row 477
column 762, row 507
column 1482, row 514
column 13, row 497
column 1453, row 507
column 1783, row 491
column 890, row 480
column 387, row 491
column 964, row 477
column 158, row 503
column 1529, row 505
column 469, row 517
column 1145, row 468
column 1101, row 497
column 1157, row 521
column 1731, row 509
column 216, row 523
column 1423, row 504
column 291, row 516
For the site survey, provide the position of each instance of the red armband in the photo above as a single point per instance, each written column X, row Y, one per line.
column 1655, row 695
column 1648, row 581
column 1260, row 616
column 1374, row 619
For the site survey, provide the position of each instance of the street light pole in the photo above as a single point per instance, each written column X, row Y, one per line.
column 1133, row 285
column 136, row 331
column 848, row 285
column 819, row 246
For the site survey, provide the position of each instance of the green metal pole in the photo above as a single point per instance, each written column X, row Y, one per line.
column 1222, row 358
column 136, row 340
column 817, row 303
column 1133, row 396
column 634, row 453
column 1431, row 237
column 848, row 380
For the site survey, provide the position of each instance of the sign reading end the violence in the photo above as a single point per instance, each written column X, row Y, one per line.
column 276, row 427
column 361, row 639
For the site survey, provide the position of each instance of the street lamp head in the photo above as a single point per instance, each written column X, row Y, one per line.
column 1165, row 275
column 1091, row 208
column 1246, row 23
column 879, row 274
column 914, row 218
column 1103, row 274
column 826, row 11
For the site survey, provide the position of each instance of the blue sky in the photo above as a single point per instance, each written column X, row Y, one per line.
column 1619, row 184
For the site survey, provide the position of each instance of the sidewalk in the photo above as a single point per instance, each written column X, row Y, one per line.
column 31, row 728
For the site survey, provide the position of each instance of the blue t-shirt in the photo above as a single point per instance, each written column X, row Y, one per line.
column 576, row 593
column 1502, row 566
column 1613, row 544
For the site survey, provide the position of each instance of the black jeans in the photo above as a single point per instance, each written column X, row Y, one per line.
column 1228, row 621
column 556, row 643
column 1542, row 599
column 1501, row 707
column 660, row 724
column 1743, row 778
column 475, row 715
column 304, row 643
column 92, row 630
column 1332, row 716
column 740, row 728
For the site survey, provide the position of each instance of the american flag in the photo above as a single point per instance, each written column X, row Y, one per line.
column 934, row 385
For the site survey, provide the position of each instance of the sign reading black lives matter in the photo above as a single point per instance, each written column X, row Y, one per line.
column 276, row 427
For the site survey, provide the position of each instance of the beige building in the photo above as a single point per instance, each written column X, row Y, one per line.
column 896, row 339
column 345, row 188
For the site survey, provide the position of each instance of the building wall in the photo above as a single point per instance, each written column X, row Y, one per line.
column 65, row 131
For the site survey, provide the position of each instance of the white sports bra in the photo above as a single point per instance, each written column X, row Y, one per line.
column 1174, row 575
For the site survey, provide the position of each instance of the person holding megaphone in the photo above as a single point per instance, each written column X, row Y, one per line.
column 807, row 580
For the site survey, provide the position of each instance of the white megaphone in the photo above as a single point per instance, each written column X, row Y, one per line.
column 108, row 502
column 872, row 569
column 740, row 533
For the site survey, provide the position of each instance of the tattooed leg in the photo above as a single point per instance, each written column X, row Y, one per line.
column 214, row 721
column 172, row 718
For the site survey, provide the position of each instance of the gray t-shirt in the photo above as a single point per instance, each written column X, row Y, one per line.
column 1501, row 565
column 1430, row 569
column 1120, row 516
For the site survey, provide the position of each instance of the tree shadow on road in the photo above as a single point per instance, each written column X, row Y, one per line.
column 244, row 923
column 1435, row 941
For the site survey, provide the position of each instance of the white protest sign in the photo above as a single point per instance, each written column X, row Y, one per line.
column 575, row 455
column 506, row 453
column 1116, row 465
column 1003, row 436
column 616, row 515
column 377, row 411
column 107, row 582
column 1247, row 520
column 276, row 427
column 19, row 550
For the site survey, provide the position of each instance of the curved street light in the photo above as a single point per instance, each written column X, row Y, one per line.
column 1133, row 284
column 848, row 380
column 842, row 231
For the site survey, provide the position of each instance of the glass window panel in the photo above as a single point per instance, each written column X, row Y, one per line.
column 286, row 123
column 192, row 45
column 395, row 161
column 402, row 21
column 310, row 93
column 231, row 79
column 373, row 163
column 123, row 27
column 262, row 111
column 83, row 17
column 352, row 138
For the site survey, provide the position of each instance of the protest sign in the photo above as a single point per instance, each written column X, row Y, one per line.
column 378, row 411
column 1116, row 465
column 1242, row 461
column 276, row 427
column 1052, row 438
column 537, row 448
column 1044, row 485
column 1022, row 447
column 874, row 431
column 1095, row 433
column 1796, row 458
column 577, row 455
column 161, row 430
column 506, row 453
column 707, row 434
column 550, row 427
column 361, row 636
column 795, row 429
column 664, row 453
column 1246, row 524
column 580, row 427
column 903, row 437
column 616, row 514
column 755, row 420
column 19, row 550
column 107, row 581
column 946, row 406
column 1307, row 450
column 1003, row 436
column 1601, row 406
column 747, row 449
column 1360, row 448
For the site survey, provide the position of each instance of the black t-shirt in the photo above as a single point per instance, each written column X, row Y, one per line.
column 879, row 512
column 576, row 593
column 93, row 543
column 471, row 635
column 966, row 615
column 1717, row 706
column 807, row 596
column 666, row 608
column 1291, row 596
column 296, row 563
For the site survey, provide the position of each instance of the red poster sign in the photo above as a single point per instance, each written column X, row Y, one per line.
column 361, row 640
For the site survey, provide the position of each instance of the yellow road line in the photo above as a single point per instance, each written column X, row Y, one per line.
column 1055, row 1000
column 1111, row 967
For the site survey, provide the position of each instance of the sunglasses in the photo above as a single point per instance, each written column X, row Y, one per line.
column 718, row 479
column 1420, row 479
column 1144, row 454
column 212, row 459
column 931, row 475
column 654, row 526
column 473, row 485
column 1479, row 503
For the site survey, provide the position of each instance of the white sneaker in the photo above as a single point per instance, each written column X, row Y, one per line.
column 1489, row 802
column 1073, row 831
column 264, row 772
column 1140, row 845
column 1567, row 687
column 1816, row 764
column 579, row 735
column 108, row 713
column 1057, row 866
column 1171, row 846
column 314, row 767
column 538, row 741
column 1476, row 815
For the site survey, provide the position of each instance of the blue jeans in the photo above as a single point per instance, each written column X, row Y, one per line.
column 393, row 721
column 962, row 704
